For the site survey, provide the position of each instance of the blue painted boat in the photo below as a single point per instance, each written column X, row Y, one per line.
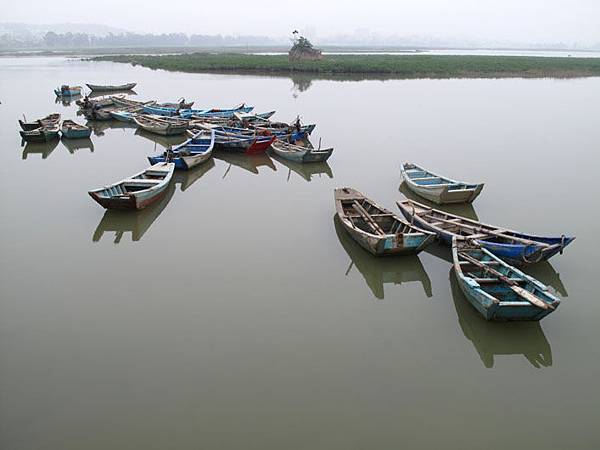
column 497, row 290
column 512, row 246
column 72, row 130
column 67, row 91
column 191, row 153
column 161, row 110
column 122, row 116
column 202, row 113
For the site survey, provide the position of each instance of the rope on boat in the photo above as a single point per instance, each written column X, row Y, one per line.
column 538, row 253
column 562, row 243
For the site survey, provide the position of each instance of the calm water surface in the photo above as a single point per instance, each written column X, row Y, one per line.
column 236, row 314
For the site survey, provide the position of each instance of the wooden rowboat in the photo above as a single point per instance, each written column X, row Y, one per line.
column 497, row 290
column 52, row 119
column 72, row 130
column 436, row 188
column 111, row 87
column 376, row 229
column 137, row 191
column 300, row 154
column 160, row 125
column 190, row 154
column 512, row 246
column 45, row 133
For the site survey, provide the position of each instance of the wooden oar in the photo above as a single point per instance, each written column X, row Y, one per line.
column 368, row 219
column 481, row 230
column 511, row 283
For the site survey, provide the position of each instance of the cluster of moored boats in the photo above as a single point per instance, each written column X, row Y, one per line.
column 484, row 256
column 237, row 130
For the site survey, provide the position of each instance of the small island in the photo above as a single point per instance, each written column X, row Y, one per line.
column 303, row 50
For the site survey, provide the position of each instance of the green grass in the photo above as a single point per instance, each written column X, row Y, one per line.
column 413, row 66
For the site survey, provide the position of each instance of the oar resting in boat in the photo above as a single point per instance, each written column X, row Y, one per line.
column 512, row 246
column 496, row 289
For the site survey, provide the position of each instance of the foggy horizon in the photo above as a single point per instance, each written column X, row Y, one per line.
column 464, row 21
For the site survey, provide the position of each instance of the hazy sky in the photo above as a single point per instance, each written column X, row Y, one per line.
column 502, row 20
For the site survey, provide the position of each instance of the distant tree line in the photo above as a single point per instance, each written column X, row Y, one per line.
column 52, row 40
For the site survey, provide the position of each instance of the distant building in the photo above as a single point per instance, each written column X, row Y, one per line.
column 303, row 50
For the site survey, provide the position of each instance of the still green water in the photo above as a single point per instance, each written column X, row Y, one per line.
column 236, row 314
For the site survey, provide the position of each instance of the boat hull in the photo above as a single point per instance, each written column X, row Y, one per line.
column 445, row 194
column 402, row 243
column 76, row 134
column 38, row 135
column 67, row 93
column 406, row 244
column 108, row 88
column 437, row 189
column 515, row 254
column 498, row 300
column 129, row 202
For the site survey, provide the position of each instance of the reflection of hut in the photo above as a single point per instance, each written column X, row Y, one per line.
column 303, row 50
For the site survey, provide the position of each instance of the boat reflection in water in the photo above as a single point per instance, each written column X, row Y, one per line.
column 96, row 94
column 66, row 101
column 78, row 144
column 100, row 126
column 459, row 209
column 185, row 178
column 42, row 148
column 138, row 222
column 164, row 141
column 306, row 171
column 251, row 163
column 378, row 271
column 544, row 272
column 500, row 338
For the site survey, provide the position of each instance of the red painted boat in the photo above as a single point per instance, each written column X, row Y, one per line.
column 260, row 145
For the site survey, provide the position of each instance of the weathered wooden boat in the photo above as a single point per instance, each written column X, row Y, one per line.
column 526, row 340
column 214, row 112
column 67, row 91
column 51, row 119
column 72, row 130
column 300, row 154
column 496, row 289
column 137, row 191
column 45, row 133
column 160, row 126
column 438, row 189
column 376, row 229
column 512, row 246
column 191, row 153
column 111, row 87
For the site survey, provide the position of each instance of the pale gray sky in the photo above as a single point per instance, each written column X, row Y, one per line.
column 495, row 20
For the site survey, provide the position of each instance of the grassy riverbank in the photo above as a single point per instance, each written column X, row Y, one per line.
column 413, row 66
